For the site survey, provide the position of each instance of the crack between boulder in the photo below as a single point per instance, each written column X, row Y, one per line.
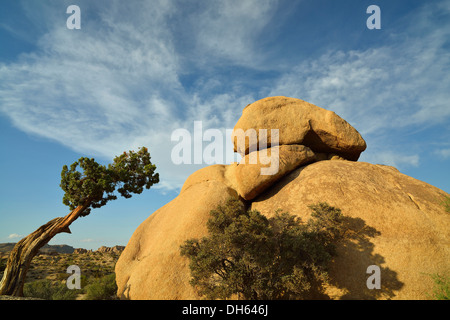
column 412, row 199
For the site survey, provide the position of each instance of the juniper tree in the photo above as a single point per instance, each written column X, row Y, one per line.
column 86, row 185
column 256, row 257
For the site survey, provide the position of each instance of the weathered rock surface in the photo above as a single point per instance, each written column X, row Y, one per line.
column 300, row 122
column 251, row 179
column 218, row 172
column 396, row 222
column 400, row 225
column 151, row 267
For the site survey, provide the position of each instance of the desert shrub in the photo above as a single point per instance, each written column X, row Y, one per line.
column 41, row 289
column 63, row 293
column 447, row 204
column 441, row 289
column 61, row 276
column 103, row 288
column 49, row 290
column 257, row 257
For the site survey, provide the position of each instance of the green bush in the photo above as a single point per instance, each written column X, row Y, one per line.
column 447, row 204
column 63, row 293
column 442, row 287
column 257, row 257
column 49, row 290
column 103, row 288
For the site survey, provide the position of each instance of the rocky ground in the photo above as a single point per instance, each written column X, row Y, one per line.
column 17, row 298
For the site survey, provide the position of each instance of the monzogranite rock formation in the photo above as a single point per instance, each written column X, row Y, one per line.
column 300, row 122
column 397, row 223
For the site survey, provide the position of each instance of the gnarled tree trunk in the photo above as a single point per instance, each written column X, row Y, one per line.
column 23, row 252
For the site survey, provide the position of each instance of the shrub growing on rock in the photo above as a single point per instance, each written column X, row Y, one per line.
column 255, row 257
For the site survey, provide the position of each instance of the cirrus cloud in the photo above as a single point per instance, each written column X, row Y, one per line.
column 137, row 71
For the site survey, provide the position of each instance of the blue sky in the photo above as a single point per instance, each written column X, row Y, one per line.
column 138, row 70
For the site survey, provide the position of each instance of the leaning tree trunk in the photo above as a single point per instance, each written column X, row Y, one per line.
column 23, row 252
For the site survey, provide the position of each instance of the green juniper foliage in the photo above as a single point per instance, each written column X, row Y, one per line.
column 96, row 183
column 257, row 257
column 447, row 204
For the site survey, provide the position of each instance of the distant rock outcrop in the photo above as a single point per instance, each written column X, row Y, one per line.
column 63, row 248
column 102, row 249
column 397, row 223
column 46, row 249
column 81, row 251
column 115, row 249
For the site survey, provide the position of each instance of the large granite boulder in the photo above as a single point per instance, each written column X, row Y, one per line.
column 298, row 122
column 396, row 223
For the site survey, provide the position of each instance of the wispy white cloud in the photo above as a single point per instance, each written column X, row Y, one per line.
column 117, row 83
column 102, row 89
column 395, row 88
column 396, row 159
column 377, row 88
column 443, row 153
column 14, row 236
column 228, row 29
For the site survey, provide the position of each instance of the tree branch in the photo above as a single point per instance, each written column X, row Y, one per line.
column 23, row 252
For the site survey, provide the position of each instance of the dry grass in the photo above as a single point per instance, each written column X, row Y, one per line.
column 54, row 266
